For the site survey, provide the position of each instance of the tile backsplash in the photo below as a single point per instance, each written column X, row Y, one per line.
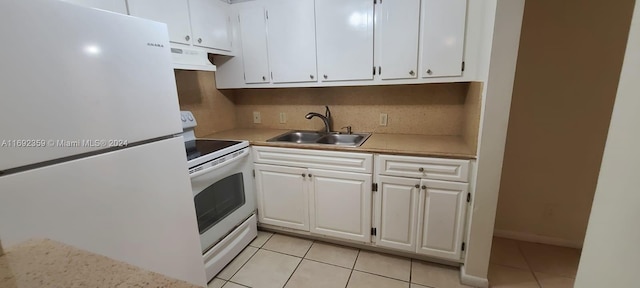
column 433, row 109
column 197, row 93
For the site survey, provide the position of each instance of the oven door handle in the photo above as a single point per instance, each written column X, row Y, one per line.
column 233, row 160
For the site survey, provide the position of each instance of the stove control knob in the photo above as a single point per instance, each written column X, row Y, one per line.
column 184, row 119
column 190, row 117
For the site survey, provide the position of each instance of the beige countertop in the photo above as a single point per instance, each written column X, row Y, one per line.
column 399, row 144
column 46, row 263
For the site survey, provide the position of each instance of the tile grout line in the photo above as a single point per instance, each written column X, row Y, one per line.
column 383, row 276
column 352, row 267
column 241, row 266
column 528, row 265
column 245, row 262
column 236, row 284
column 298, row 266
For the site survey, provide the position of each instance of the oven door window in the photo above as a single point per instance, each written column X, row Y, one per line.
column 219, row 200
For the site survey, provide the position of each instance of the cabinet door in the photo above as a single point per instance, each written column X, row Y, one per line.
column 345, row 39
column 443, row 37
column 443, row 207
column 397, row 212
column 397, row 24
column 282, row 196
column 175, row 13
column 292, row 40
column 118, row 6
column 211, row 24
column 340, row 204
column 253, row 35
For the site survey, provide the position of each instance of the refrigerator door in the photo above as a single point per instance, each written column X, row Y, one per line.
column 71, row 74
column 134, row 205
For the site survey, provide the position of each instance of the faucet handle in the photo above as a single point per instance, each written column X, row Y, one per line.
column 348, row 129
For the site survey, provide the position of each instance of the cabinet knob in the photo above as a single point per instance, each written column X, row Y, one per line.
column 304, row 175
column 311, row 76
column 412, row 73
column 325, row 76
column 421, row 169
column 417, row 185
column 187, row 38
column 429, row 71
column 199, row 40
column 424, row 187
column 264, row 78
column 309, row 175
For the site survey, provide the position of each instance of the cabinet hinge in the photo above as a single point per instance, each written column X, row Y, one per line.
column 375, row 2
column 374, row 231
column 468, row 197
column 245, row 76
column 267, row 14
column 374, row 187
column 379, row 70
column 463, row 246
column 271, row 75
column 374, row 70
column 462, row 66
column 254, row 173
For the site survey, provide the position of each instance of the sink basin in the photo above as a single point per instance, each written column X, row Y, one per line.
column 301, row 137
column 314, row 137
column 343, row 139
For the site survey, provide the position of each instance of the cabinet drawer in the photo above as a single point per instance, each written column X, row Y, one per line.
column 329, row 160
column 422, row 167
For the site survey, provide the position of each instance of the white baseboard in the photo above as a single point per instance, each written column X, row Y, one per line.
column 472, row 280
column 522, row 236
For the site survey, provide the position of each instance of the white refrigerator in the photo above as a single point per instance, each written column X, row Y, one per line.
column 88, row 149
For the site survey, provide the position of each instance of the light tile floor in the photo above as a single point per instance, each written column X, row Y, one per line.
column 274, row 260
column 523, row 264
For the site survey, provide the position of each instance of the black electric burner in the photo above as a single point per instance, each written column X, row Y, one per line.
column 199, row 148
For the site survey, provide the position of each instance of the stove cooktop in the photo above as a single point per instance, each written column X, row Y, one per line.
column 199, row 148
column 200, row 151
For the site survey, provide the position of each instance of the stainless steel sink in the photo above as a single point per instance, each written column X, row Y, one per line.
column 314, row 137
column 343, row 139
column 300, row 137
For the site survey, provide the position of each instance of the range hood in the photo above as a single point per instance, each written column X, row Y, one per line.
column 190, row 58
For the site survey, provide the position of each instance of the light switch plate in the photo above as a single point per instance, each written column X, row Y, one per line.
column 383, row 119
column 283, row 117
column 256, row 117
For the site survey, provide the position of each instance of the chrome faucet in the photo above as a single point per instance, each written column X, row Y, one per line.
column 326, row 118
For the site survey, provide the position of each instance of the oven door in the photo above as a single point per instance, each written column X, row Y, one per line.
column 224, row 197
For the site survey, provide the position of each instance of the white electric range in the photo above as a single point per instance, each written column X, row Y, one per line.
column 224, row 195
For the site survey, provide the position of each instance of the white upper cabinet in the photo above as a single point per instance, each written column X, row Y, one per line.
column 397, row 34
column 443, row 35
column 253, row 35
column 118, row 6
column 292, row 42
column 211, row 24
column 175, row 13
column 344, row 33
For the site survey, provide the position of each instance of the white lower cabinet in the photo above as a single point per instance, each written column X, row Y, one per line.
column 340, row 204
column 282, row 196
column 418, row 214
column 334, row 200
column 397, row 212
column 441, row 215
column 331, row 194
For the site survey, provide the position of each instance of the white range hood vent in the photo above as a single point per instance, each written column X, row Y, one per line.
column 191, row 59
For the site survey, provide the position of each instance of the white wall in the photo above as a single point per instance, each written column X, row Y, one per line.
column 499, row 73
column 611, row 254
column 560, row 113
